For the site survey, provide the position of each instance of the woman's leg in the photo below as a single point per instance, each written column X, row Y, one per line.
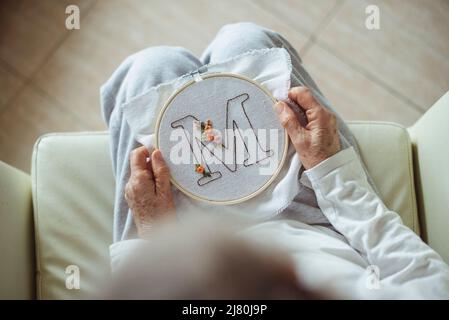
column 135, row 75
column 238, row 38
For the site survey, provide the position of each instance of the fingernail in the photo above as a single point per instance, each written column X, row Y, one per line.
column 279, row 107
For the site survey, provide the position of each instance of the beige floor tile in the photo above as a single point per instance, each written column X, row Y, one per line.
column 303, row 15
column 115, row 29
column 29, row 30
column 409, row 52
column 31, row 115
column 212, row 15
column 9, row 85
column 354, row 95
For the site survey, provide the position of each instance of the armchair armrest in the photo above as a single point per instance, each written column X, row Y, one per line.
column 430, row 139
column 16, row 235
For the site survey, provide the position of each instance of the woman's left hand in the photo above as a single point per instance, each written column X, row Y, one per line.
column 148, row 191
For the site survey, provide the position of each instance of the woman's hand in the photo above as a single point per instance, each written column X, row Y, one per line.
column 317, row 141
column 148, row 191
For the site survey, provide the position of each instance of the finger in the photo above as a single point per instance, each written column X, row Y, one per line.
column 148, row 163
column 138, row 159
column 312, row 114
column 288, row 119
column 324, row 118
column 161, row 172
column 304, row 97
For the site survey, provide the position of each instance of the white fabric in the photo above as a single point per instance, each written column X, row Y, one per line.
column 269, row 67
column 371, row 237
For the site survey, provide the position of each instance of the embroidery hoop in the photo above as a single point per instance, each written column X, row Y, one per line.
column 202, row 77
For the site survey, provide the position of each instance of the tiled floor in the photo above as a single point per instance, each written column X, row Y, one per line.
column 50, row 76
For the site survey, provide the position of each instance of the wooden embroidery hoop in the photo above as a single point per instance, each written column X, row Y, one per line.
column 200, row 198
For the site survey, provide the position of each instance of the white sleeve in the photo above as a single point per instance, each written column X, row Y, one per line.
column 405, row 262
column 121, row 252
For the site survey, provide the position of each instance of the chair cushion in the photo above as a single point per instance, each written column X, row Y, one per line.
column 386, row 150
column 73, row 194
column 16, row 235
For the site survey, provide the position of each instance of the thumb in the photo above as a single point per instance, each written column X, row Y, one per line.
column 161, row 172
column 288, row 119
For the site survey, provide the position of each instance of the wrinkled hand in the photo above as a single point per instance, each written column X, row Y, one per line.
column 148, row 192
column 317, row 141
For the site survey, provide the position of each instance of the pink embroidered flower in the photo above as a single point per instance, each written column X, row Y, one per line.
column 214, row 136
column 199, row 169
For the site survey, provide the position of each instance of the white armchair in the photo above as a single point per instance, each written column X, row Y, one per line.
column 62, row 214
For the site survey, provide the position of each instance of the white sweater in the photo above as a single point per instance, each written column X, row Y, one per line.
column 373, row 255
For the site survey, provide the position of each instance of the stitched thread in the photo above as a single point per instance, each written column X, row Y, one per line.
column 217, row 174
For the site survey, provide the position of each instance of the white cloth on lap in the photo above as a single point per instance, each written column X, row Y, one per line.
column 269, row 67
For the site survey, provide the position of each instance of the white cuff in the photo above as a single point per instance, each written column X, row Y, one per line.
column 330, row 164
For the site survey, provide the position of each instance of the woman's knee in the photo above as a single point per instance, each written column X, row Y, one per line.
column 156, row 65
column 237, row 38
column 244, row 29
column 165, row 61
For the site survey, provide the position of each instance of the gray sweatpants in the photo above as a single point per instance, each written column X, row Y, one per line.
column 156, row 65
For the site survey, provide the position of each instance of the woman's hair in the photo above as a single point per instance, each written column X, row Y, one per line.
column 205, row 262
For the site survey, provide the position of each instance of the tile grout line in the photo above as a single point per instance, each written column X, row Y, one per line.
column 370, row 76
column 28, row 80
column 22, row 78
column 12, row 70
column 304, row 33
column 58, row 105
column 321, row 26
column 314, row 39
